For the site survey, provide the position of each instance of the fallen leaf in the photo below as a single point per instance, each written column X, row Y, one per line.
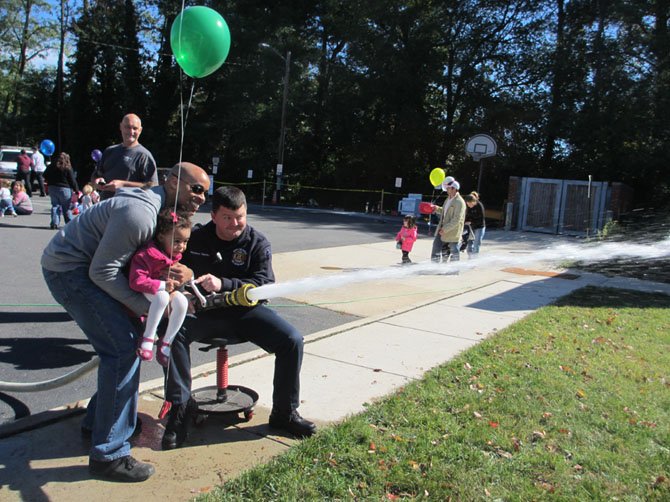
column 467, row 366
column 581, row 394
column 477, row 415
column 548, row 487
column 503, row 453
column 493, row 424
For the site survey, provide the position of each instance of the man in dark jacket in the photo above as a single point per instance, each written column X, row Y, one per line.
column 225, row 254
column 23, row 171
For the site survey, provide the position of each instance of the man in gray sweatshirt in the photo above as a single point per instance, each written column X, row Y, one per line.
column 83, row 268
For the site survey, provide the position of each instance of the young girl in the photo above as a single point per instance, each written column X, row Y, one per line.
column 20, row 199
column 86, row 199
column 6, row 203
column 173, row 231
column 406, row 237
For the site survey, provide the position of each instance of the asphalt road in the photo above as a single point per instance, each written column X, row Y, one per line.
column 38, row 340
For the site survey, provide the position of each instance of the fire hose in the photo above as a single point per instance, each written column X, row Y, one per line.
column 236, row 298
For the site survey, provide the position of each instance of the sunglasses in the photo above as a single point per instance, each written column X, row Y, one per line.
column 196, row 188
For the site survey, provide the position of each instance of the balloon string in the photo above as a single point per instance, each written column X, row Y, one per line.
column 181, row 151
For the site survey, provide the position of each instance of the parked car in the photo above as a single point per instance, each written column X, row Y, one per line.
column 8, row 155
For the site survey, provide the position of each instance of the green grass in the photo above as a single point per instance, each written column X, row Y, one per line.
column 571, row 403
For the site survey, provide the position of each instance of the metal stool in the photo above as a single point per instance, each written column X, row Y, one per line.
column 224, row 399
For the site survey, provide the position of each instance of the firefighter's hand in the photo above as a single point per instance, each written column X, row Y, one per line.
column 209, row 283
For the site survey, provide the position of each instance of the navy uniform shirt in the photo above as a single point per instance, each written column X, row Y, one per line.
column 246, row 259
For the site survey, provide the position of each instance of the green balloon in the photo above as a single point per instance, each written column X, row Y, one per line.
column 200, row 41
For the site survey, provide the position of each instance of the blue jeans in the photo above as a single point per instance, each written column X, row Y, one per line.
column 473, row 245
column 6, row 205
column 112, row 412
column 443, row 250
column 60, row 204
column 259, row 325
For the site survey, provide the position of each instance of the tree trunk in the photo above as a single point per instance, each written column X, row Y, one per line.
column 553, row 119
column 22, row 58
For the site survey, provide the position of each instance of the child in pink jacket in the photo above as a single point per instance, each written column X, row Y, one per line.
column 173, row 231
column 407, row 237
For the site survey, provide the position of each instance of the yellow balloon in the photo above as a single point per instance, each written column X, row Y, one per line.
column 437, row 176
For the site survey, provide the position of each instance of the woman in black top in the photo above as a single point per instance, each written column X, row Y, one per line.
column 474, row 216
column 61, row 182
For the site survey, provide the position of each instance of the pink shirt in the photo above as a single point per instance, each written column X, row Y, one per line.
column 408, row 236
column 21, row 200
column 146, row 267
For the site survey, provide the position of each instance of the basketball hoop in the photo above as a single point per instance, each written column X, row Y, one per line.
column 481, row 146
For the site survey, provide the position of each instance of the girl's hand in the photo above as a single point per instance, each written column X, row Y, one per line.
column 171, row 285
column 180, row 273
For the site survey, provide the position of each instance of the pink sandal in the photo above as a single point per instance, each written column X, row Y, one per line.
column 145, row 354
column 162, row 359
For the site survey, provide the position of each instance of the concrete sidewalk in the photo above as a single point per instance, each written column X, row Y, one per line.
column 410, row 324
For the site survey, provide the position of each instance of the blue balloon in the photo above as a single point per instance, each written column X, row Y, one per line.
column 47, row 147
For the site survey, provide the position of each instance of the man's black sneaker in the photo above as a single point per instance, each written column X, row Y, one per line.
column 124, row 470
column 293, row 423
column 176, row 429
column 86, row 433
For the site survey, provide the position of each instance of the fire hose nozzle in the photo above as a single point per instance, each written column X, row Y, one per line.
column 236, row 298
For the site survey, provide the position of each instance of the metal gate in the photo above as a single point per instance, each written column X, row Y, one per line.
column 562, row 206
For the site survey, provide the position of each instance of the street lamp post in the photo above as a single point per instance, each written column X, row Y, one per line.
column 282, row 126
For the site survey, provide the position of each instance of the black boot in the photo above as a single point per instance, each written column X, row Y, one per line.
column 293, row 423
column 176, row 429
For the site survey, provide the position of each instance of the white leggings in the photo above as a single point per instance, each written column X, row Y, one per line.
column 159, row 303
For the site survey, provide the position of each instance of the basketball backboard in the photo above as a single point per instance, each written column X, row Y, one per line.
column 481, row 146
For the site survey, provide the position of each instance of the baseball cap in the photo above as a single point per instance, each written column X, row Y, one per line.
column 445, row 183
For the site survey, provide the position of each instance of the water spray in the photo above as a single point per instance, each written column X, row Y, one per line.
column 561, row 253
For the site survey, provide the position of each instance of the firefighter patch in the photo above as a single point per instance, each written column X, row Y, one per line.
column 239, row 257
